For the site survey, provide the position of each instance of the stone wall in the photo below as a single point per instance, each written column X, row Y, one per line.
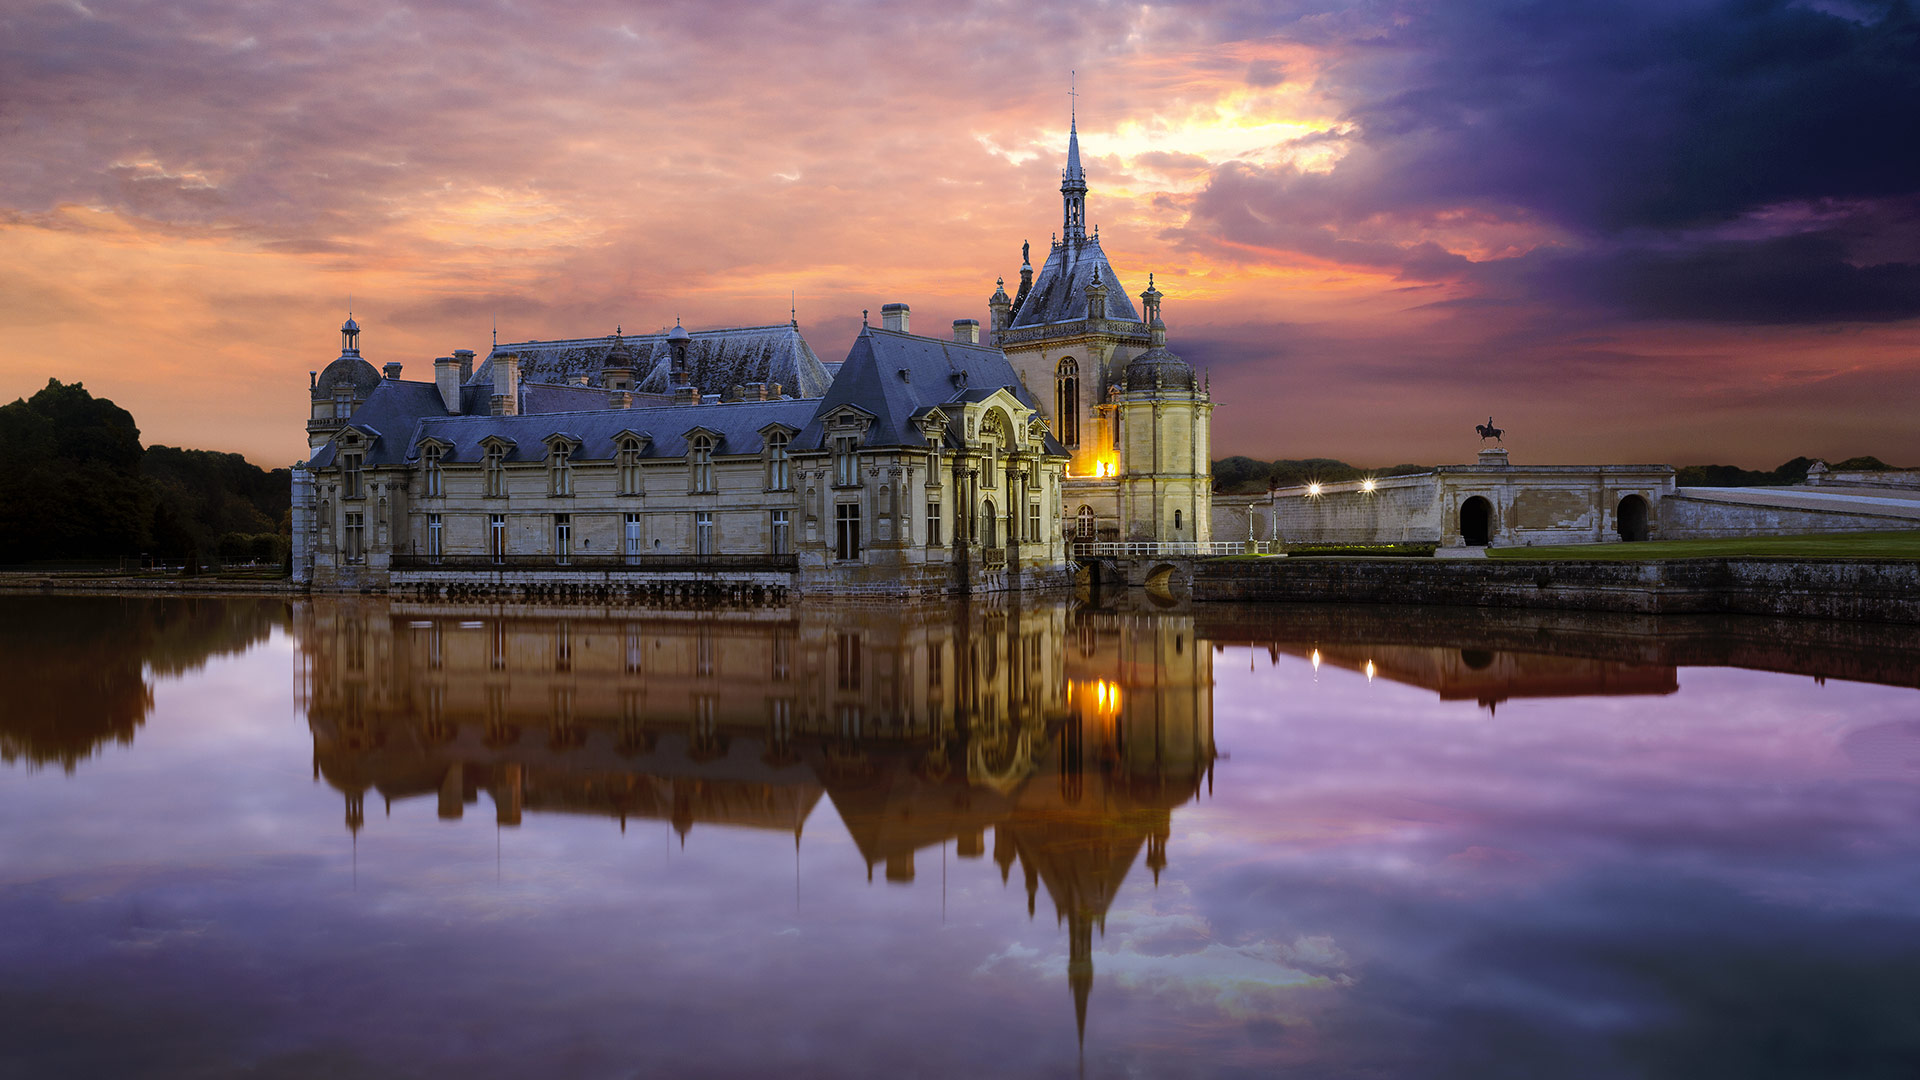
column 1879, row 590
column 1686, row 518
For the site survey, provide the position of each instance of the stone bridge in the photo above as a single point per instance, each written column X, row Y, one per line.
column 1155, row 565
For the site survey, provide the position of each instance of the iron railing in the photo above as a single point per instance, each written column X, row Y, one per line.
column 643, row 563
column 1150, row 549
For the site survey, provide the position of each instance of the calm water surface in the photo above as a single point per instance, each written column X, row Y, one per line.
column 247, row 838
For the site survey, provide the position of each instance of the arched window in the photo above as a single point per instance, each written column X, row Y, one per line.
column 1066, row 402
column 1176, row 522
column 629, row 466
column 1083, row 524
column 700, row 463
column 992, row 538
column 779, row 476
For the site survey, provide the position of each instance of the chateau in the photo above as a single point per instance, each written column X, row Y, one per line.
column 735, row 460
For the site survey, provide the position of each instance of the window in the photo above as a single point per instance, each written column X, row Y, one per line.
column 1066, row 402
column 779, row 475
column 782, row 533
column 846, row 531
column 846, row 463
column 351, row 471
column 987, row 515
column 703, row 532
column 933, row 524
column 632, row 535
column 430, row 460
column 629, row 467
column 356, row 537
column 560, row 469
column 562, row 537
column 497, row 537
column 433, row 537
column 1176, row 521
column 700, row 463
column 1033, row 522
column 495, row 465
column 1083, row 524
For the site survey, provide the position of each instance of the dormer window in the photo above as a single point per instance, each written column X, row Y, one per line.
column 351, row 473
column 846, row 462
column 560, row 469
column 779, row 473
column 629, row 466
column 700, row 463
column 430, row 455
column 494, row 466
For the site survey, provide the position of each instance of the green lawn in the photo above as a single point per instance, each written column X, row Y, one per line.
column 1879, row 545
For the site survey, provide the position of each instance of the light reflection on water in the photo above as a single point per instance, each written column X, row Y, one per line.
column 354, row 838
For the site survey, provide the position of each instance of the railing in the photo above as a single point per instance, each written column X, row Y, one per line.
column 1151, row 549
column 620, row 563
column 993, row 558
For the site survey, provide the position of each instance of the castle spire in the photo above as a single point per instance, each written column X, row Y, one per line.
column 1073, row 183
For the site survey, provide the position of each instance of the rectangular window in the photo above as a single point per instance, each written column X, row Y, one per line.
column 779, row 476
column 562, row 537
column 933, row 524
column 846, row 463
column 497, row 537
column 356, row 537
column 632, row 535
column 562, row 470
column 782, row 533
column 433, row 537
column 350, row 466
column 846, row 531
column 1033, row 522
column 700, row 464
column 703, row 532
column 430, row 459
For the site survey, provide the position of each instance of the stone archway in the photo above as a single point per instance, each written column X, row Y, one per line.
column 1476, row 521
column 1630, row 518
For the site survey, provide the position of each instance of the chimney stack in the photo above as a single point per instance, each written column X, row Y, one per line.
column 392, row 369
column 966, row 331
column 506, row 386
column 465, row 356
column 447, row 380
column 686, row 395
column 894, row 317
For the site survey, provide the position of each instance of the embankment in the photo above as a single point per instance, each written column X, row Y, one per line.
column 1874, row 590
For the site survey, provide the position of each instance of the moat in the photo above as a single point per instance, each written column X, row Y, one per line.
column 255, row 837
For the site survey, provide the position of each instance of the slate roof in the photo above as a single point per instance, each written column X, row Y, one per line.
column 937, row 371
column 1059, row 289
column 392, row 410
column 736, row 423
column 719, row 359
column 544, row 398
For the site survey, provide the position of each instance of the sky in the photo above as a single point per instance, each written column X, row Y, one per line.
column 1678, row 231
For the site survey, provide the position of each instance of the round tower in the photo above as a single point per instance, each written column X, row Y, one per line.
column 338, row 390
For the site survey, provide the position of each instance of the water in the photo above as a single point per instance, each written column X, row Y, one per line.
column 248, row 838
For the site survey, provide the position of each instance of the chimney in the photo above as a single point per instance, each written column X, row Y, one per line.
column 447, row 380
column 773, row 391
column 506, row 386
column 392, row 369
column 619, row 399
column 966, row 331
column 894, row 317
column 686, row 395
column 465, row 356
column 580, row 380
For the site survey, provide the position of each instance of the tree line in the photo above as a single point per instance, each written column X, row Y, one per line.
column 76, row 485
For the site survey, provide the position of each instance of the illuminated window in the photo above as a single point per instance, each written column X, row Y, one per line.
column 1066, row 402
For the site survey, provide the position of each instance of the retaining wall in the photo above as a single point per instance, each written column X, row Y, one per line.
column 1878, row 590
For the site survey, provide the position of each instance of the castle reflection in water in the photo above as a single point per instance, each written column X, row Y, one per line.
column 1071, row 734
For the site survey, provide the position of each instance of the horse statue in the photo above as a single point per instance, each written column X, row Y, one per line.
column 1488, row 431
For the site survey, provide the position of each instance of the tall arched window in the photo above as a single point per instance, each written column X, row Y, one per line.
column 1066, row 402
column 1083, row 524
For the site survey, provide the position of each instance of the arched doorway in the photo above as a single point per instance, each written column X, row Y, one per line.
column 992, row 539
column 1631, row 518
column 1476, row 521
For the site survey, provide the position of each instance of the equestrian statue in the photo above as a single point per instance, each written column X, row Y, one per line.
column 1488, row 431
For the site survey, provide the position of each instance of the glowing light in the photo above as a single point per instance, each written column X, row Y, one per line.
column 1313, row 488
column 1367, row 484
column 1316, row 660
column 1370, row 670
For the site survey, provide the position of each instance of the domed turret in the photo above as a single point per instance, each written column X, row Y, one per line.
column 1159, row 369
column 349, row 370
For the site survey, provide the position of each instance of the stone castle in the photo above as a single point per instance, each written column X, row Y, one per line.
column 735, row 460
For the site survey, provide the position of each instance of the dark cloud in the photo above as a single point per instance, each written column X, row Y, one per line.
column 1664, row 139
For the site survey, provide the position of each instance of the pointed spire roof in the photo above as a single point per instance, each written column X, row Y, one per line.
column 1074, row 171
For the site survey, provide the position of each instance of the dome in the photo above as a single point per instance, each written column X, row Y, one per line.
column 349, row 327
column 1159, row 369
column 621, row 355
column 347, row 370
column 679, row 333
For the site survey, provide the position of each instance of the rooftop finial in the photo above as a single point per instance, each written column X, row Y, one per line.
column 1073, row 100
column 793, row 309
